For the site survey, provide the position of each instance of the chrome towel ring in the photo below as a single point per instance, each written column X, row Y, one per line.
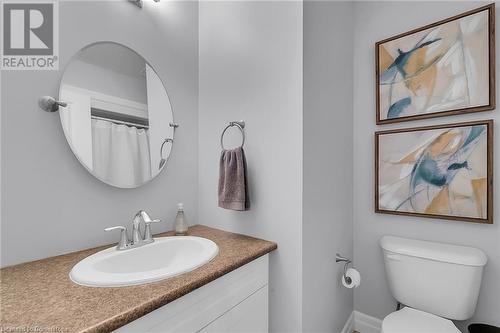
column 240, row 125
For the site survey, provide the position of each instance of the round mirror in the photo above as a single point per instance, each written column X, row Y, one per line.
column 118, row 120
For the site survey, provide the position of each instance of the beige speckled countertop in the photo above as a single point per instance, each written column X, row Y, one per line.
column 39, row 296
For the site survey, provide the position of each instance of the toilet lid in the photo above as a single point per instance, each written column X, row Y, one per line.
column 408, row 320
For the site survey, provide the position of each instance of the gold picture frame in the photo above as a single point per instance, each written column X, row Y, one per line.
column 443, row 171
column 442, row 69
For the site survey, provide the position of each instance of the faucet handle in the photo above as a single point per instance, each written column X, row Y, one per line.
column 145, row 217
column 148, row 238
column 123, row 236
column 118, row 227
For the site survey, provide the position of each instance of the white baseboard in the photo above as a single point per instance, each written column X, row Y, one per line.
column 362, row 323
column 349, row 325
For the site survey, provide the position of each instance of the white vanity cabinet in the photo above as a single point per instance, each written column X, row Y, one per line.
column 235, row 302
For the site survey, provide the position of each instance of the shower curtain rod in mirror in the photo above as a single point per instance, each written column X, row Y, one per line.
column 119, row 118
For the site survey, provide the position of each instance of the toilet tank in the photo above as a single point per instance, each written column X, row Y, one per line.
column 441, row 279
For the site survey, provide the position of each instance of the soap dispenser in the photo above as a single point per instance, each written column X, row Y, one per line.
column 181, row 225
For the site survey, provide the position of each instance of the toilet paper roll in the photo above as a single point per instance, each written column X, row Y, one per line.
column 355, row 278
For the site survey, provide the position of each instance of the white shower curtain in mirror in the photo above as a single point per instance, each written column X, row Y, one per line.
column 120, row 153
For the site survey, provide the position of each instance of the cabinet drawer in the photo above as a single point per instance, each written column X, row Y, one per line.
column 249, row 316
column 199, row 308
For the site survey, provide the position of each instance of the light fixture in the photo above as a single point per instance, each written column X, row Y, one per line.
column 138, row 3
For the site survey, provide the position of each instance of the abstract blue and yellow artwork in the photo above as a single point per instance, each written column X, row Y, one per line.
column 441, row 69
column 440, row 171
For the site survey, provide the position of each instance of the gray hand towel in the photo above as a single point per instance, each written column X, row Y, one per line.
column 233, row 187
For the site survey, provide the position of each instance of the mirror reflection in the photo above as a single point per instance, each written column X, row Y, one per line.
column 119, row 120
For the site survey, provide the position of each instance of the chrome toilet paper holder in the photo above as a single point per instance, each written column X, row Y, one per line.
column 346, row 261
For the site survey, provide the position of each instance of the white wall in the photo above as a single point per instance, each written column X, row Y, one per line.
column 46, row 193
column 106, row 81
column 327, row 198
column 251, row 68
column 375, row 21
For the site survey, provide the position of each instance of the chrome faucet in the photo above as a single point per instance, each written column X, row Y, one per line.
column 137, row 238
column 136, row 234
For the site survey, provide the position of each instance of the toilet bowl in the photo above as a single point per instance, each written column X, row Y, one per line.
column 408, row 320
column 436, row 282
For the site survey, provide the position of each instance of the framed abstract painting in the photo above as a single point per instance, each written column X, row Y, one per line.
column 442, row 69
column 443, row 171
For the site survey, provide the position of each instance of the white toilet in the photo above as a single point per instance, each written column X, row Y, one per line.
column 435, row 282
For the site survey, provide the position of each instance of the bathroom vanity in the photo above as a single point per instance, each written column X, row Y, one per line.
column 230, row 293
column 236, row 302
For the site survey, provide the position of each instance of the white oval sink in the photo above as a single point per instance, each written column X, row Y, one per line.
column 166, row 257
